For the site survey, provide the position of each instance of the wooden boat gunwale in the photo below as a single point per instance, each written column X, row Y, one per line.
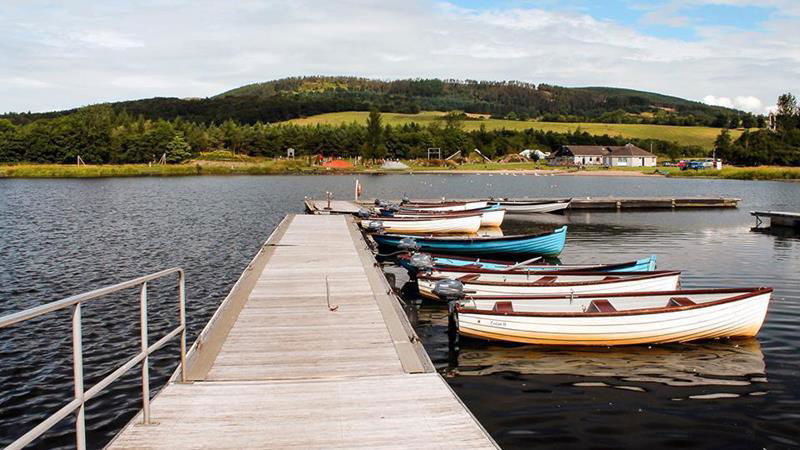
column 752, row 292
column 529, row 203
column 477, row 238
column 475, row 268
column 420, row 219
column 620, row 277
column 405, row 212
column 424, row 206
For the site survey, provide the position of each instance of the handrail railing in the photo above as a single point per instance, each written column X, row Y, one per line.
column 77, row 405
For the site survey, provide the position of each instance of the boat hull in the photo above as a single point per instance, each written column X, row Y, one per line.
column 533, row 208
column 466, row 206
column 489, row 217
column 443, row 263
column 668, row 282
column 741, row 318
column 461, row 224
column 513, row 246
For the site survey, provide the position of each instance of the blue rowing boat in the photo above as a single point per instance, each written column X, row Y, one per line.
column 414, row 262
column 527, row 245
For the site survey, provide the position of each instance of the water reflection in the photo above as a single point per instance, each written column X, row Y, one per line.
column 712, row 363
column 781, row 232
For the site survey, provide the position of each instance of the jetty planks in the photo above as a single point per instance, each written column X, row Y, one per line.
column 386, row 412
column 277, row 368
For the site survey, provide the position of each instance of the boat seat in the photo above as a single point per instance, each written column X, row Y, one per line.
column 547, row 280
column 680, row 301
column 601, row 306
column 503, row 307
column 469, row 277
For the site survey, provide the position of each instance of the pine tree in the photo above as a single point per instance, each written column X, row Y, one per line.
column 178, row 150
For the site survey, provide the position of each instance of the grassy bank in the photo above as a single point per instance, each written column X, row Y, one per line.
column 140, row 170
column 701, row 136
column 744, row 173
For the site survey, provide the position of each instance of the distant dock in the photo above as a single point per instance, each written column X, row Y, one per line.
column 578, row 203
column 311, row 349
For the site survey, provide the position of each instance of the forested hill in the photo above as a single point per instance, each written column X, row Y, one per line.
column 290, row 98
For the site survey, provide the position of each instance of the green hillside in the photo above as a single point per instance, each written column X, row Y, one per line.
column 701, row 136
column 292, row 98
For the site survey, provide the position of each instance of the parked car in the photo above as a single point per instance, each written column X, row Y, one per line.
column 694, row 165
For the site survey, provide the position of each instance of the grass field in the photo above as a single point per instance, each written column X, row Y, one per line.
column 255, row 167
column 702, row 136
column 744, row 173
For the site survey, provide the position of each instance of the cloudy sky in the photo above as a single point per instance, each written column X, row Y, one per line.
column 66, row 53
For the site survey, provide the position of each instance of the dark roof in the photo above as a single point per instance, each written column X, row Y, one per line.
column 584, row 150
column 629, row 150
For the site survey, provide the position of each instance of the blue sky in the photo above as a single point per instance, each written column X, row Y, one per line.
column 656, row 18
column 68, row 53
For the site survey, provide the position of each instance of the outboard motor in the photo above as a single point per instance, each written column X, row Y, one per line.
column 390, row 208
column 405, row 200
column 363, row 213
column 408, row 244
column 449, row 290
column 422, row 262
column 381, row 203
column 375, row 227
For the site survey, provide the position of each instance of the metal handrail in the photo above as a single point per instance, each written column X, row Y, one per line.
column 77, row 405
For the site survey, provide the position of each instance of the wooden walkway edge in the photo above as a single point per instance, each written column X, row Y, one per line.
column 277, row 368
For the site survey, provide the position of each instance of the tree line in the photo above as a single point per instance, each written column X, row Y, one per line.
column 779, row 145
column 101, row 135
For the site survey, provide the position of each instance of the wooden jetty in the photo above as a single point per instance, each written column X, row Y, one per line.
column 311, row 349
column 578, row 203
column 777, row 218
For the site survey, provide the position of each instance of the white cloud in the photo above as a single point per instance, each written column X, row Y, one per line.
column 141, row 82
column 718, row 101
column 744, row 102
column 24, row 82
column 749, row 103
column 89, row 52
column 105, row 39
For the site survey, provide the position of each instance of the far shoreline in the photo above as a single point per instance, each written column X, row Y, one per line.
column 295, row 167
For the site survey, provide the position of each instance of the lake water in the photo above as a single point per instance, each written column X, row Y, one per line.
column 61, row 237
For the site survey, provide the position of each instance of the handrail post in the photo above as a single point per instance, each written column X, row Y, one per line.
column 182, row 312
column 82, row 395
column 146, row 361
column 77, row 371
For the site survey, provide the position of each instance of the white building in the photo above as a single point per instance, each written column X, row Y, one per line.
column 578, row 155
column 627, row 155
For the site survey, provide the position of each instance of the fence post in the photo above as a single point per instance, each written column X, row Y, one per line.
column 146, row 361
column 77, row 371
column 182, row 312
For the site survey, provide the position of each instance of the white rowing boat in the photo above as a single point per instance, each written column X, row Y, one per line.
column 555, row 283
column 533, row 206
column 617, row 319
column 489, row 217
column 458, row 224
column 444, row 206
